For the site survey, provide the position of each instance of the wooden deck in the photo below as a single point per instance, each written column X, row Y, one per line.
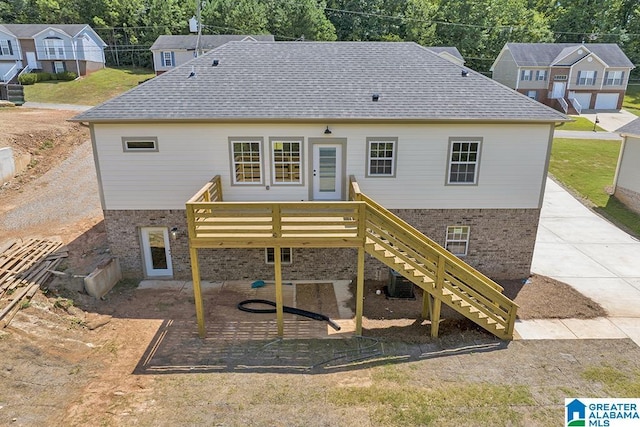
column 360, row 223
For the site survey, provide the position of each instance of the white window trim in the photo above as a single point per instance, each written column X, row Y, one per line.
column 535, row 94
column 384, row 140
column 167, row 62
column 450, row 162
column 614, row 81
column 527, row 75
column 300, row 141
column 58, row 48
column 55, row 66
column 586, row 81
column 466, row 231
column 541, row 75
column 233, row 163
column 127, row 139
column 283, row 256
column 4, row 47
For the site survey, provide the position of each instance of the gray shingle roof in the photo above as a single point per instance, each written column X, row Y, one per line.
column 29, row 30
column 632, row 128
column 544, row 54
column 207, row 42
column 321, row 80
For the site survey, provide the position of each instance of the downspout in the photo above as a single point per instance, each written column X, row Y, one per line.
column 75, row 54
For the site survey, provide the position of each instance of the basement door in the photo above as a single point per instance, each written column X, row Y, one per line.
column 156, row 252
column 327, row 179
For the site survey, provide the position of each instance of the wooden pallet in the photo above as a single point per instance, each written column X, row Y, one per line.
column 24, row 267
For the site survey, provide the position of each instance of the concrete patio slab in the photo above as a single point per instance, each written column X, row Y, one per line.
column 615, row 295
column 621, row 259
column 561, row 260
column 599, row 328
column 543, row 329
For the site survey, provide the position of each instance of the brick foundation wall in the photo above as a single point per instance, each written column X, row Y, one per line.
column 630, row 198
column 501, row 246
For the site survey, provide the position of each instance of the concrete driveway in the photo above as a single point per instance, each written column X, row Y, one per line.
column 578, row 247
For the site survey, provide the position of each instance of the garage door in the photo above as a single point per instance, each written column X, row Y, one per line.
column 584, row 99
column 607, row 101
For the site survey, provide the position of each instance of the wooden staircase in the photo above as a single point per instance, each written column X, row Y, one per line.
column 443, row 277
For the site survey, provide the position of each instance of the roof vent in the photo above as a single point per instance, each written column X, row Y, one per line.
column 465, row 73
column 375, row 97
column 215, row 63
column 193, row 71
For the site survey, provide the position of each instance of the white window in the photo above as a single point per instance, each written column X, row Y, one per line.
column 58, row 66
column 586, row 78
column 381, row 156
column 139, row 144
column 54, row 48
column 246, row 158
column 286, row 157
column 457, row 241
column 5, row 47
column 464, row 157
column 286, row 255
column 533, row 94
column 167, row 59
column 541, row 75
column 526, row 75
column 613, row 78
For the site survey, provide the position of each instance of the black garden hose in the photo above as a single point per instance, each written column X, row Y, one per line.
column 286, row 309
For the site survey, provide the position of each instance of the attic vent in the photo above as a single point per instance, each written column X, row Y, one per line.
column 215, row 63
column 193, row 72
column 375, row 97
column 464, row 73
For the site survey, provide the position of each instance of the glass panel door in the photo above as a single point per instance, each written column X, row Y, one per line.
column 327, row 172
column 156, row 251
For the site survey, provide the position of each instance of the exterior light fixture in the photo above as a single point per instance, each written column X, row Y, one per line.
column 327, row 131
column 174, row 233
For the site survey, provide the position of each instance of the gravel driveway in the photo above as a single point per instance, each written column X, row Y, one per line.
column 62, row 197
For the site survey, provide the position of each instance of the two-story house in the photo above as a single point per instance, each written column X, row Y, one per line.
column 459, row 156
column 170, row 51
column 51, row 48
column 571, row 77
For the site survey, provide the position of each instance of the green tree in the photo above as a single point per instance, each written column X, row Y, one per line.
column 236, row 16
column 294, row 19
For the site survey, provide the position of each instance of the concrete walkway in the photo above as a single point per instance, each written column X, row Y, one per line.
column 578, row 247
column 583, row 134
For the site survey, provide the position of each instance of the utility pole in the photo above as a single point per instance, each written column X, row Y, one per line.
column 198, row 16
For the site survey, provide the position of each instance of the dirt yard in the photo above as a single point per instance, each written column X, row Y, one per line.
column 134, row 358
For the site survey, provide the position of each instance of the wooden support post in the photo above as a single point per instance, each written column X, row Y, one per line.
column 197, row 291
column 277, row 253
column 360, row 291
column 437, row 301
column 426, row 305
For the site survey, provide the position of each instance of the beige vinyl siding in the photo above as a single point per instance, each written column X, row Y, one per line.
column 625, row 79
column 585, row 65
column 181, row 56
column 533, row 83
column 511, row 170
column 629, row 173
column 506, row 70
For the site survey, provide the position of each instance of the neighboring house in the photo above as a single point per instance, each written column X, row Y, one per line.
column 626, row 184
column 571, row 77
column 51, row 48
column 448, row 52
column 172, row 51
column 457, row 155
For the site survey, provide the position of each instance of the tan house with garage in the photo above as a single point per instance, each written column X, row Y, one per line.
column 571, row 77
column 304, row 154
column 626, row 183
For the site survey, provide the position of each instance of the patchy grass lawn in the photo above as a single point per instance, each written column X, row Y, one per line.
column 581, row 123
column 632, row 99
column 90, row 90
column 588, row 166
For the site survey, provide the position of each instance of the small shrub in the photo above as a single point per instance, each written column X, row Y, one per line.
column 43, row 77
column 28, row 79
column 66, row 76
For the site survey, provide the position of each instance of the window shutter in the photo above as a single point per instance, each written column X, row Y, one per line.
column 173, row 59
column 10, row 48
column 622, row 77
column 521, row 74
column 161, row 59
column 578, row 79
column 595, row 75
column 606, row 76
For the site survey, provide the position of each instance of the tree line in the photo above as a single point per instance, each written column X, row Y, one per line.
column 478, row 28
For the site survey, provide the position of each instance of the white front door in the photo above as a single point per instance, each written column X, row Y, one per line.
column 156, row 251
column 31, row 60
column 327, row 172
